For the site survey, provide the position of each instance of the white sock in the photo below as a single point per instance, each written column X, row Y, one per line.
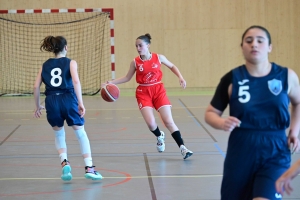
column 88, row 162
column 63, row 156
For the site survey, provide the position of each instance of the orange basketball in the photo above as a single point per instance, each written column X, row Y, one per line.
column 110, row 92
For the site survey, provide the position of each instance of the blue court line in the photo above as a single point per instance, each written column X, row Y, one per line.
column 199, row 124
column 220, row 150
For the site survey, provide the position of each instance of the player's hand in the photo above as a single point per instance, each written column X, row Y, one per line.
column 230, row 123
column 283, row 184
column 103, row 84
column 182, row 83
column 38, row 111
column 81, row 110
column 293, row 143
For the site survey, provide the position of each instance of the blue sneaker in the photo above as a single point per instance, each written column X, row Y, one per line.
column 90, row 173
column 66, row 171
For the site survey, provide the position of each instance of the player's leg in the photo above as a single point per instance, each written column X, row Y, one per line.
column 276, row 159
column 240, row 165
column 264, row 185
column 148, row 115
column 60, row 144
column 163, row 106
column 56, row 120
column 73, row 119
column 166, row 115
column 144, row 100
column 90, row 172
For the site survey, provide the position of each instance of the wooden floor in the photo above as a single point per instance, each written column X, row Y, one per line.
column 123, row 150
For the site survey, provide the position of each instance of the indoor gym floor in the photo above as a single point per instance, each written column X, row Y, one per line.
column 123, row 150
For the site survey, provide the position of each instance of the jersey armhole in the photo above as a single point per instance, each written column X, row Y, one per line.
column 158, row 58
column 220, row 99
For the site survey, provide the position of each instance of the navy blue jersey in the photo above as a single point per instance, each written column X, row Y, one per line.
column 261, row 103
column 61, row 101
column 257, row 151
column 56, row 74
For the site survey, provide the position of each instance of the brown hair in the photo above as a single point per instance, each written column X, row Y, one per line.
column 146, row 38
column 53, row 44
column 259, row 27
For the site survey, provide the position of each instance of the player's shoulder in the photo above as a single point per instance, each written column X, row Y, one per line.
column 278, row 67
column 292, row 75
column 161, row 57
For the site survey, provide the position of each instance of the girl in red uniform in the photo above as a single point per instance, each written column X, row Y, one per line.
column 151, row 92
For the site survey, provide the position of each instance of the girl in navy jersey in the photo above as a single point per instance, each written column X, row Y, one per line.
column 63, row 103
column 258, row 94
column 151, row 92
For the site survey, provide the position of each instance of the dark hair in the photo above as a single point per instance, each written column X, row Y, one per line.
column 146, row 38
column 53, row 44
column 259, row 27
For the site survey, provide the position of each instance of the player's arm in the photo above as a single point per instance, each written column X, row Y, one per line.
column 213, row 113
column 173, row 68
column 77, row 86
column 126, row 78
column 36, row 93
column 294, row 95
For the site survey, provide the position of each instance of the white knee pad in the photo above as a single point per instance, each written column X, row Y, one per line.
column 60, row 139
column 83, row 141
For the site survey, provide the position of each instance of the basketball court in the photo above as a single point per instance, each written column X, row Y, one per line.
column 123, row 150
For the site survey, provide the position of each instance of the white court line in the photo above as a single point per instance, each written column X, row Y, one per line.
column 117, row 177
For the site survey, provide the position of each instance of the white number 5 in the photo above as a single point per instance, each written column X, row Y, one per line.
column 244, row 94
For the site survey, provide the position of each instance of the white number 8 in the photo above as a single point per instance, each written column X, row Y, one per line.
column 243, row 92
column 56, row 76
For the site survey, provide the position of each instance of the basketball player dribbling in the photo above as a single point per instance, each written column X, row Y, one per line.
column 151, row 94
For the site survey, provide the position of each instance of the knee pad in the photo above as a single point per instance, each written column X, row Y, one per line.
column 60, row 139
column 83, row 141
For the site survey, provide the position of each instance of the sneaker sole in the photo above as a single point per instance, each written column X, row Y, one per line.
column 93, row 177
column 188, row 154
column 66, row 173
column 164, row 148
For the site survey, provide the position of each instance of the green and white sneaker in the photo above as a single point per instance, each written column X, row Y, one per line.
column 90, row 173
column 66, row 171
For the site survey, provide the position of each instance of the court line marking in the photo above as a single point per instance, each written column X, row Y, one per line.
column 152, row 189
column 120, row 177
column 199, row 123
column 9, row 135
column 196, row 120
column 96, row 109
column 126, row 177
column 220, row 150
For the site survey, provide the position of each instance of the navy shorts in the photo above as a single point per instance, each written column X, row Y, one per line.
column 254, row 161
column 61, row 107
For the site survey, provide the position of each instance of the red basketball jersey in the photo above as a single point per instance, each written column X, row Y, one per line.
column 148, row 71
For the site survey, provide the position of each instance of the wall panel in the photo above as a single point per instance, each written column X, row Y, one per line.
column 201, row 37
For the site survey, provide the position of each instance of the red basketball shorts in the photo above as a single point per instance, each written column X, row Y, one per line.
column 154, row 96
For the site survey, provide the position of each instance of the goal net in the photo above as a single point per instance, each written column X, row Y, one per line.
column 89, row 40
